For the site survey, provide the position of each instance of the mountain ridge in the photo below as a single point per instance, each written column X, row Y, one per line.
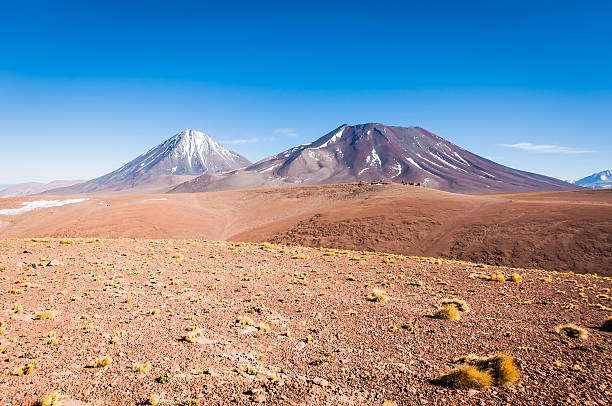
column 372, row 152
column 183, row 156
column 598, row 180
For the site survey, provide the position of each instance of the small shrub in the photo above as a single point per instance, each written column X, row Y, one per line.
column 377, row 295
column 245, row 321
column 409, row 326
column 100, row 362
column 190, row 402
column 467, row 377
column 165, row 378
column 497, row 277
column 52, row 399
column 448, row 312
column 46, row 315
column 17, row 308
column 461, row 305
column 24, row 370
column 263, row 327
column 480, row 372
column 192, row 335
column 516, row 277
column 138, row 367
column 153, row 400
column 318, row 361
column 572, row 330
column 502, row 367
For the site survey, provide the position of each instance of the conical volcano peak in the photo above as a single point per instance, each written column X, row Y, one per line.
column 186, row 154
column 378, row 152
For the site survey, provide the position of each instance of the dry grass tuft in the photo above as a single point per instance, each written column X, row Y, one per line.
column 480, row 372
column 138, row 367
column 263, row 327
column 502, row 367
column 52, row 399
column 497, row 277
column 153, row 400
column 377, row 295
column 245, row 321
column 448, row 312
column 192, row 334
column 100, row 362
column 572, row 330
column 516, row 277
column 17, row 308
column 467, row 377
column 46, row 315
column 24, row 370
column 461, row 305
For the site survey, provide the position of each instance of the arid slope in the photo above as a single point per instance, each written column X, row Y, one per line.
column 223, row 323
column 568, row 231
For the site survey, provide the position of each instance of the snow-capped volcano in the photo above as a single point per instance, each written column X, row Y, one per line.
column 374, row 151
column 600, row 180
column 185, row 155
column 189, row 152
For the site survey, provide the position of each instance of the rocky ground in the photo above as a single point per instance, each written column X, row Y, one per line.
column 564, row 231
column 314, row 340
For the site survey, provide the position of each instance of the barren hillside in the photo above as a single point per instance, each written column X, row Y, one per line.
column 170, row 322
column 566, row 231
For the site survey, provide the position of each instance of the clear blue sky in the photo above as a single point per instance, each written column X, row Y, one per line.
column 86, row 86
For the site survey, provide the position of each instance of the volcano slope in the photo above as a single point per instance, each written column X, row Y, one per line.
column 198, row 322
column 566, row 231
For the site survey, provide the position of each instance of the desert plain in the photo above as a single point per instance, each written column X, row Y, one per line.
column 322, row 295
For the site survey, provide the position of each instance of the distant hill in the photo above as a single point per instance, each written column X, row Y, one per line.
column 32, row 188
column 182, row 157
column 370, row 152
column 599, row 180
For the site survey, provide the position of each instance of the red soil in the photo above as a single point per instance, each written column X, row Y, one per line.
column 568, row 231
column 358, row 353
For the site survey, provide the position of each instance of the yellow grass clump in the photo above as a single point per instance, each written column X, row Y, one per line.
column 497, row 277
column 448, row 312
column 480, row 372
column 467, row 377
column 377, row 295
column 263, row 327
column 46, row 315
column 153, row 400
column 24, row 370
column 572, row 330
column 192, row 335
column 461, row 305
column 17, row 308
column 245, row 321
column 52, row 399
column 138, row 367
column 100, row 362
column 516, row 277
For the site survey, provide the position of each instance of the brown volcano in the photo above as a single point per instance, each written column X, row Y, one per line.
column 371, row 152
